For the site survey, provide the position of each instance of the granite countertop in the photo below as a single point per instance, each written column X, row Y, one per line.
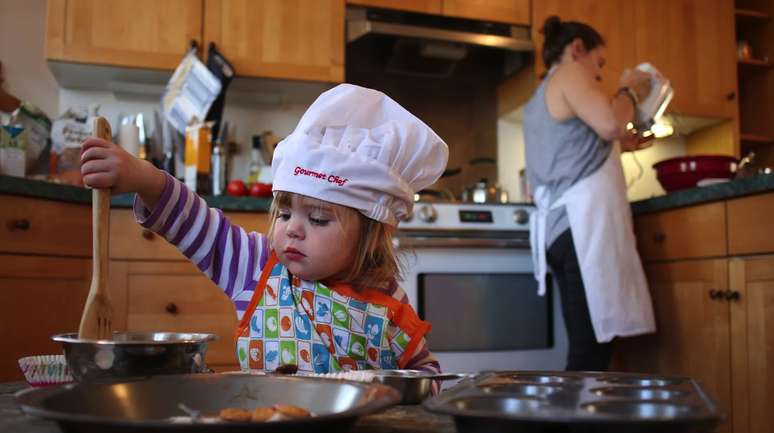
column 398, row 419
column 73, row 194
column 722, row 191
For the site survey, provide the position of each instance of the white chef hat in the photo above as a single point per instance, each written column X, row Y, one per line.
column 357, row 147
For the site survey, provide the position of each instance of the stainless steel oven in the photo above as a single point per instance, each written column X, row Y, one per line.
column 468, row 271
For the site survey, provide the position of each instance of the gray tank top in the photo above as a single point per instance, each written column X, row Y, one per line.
column 558, row 154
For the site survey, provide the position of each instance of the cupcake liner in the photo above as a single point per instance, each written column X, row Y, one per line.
column 45, row 370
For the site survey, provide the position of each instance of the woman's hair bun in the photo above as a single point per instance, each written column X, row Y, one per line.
column 551, row 27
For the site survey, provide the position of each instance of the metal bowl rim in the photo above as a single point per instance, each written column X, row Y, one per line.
column 198, row 338
column 391, row 397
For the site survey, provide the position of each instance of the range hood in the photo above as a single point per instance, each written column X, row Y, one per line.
column 365, row 21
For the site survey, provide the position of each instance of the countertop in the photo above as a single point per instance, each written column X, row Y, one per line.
column 398, row 419
column 73, row 194
column 723, row 191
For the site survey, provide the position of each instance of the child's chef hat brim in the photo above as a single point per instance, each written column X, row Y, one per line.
column 357, row 147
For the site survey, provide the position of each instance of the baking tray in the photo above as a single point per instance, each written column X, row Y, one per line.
column 550, row 401
column 149, row 405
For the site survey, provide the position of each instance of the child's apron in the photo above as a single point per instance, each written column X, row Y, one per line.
column 323, row 329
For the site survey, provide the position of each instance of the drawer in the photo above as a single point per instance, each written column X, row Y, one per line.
column 35, row 226
column 692, row 232
column 750, row 226
column 174, row 297
column 129, row 240
column 42, row 296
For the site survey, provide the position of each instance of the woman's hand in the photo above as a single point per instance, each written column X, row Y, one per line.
column 638, row 81
column 107, row 165
column 630, row 142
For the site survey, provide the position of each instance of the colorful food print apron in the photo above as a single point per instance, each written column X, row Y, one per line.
column 323, row 329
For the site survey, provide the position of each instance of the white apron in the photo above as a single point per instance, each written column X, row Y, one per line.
column 601, row 224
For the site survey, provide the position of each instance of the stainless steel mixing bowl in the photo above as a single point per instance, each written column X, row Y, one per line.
column 135, row 354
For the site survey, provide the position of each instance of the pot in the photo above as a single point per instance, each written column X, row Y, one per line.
column 134, row 354
column 413, row 385
column 686, row 171
column 482, row 192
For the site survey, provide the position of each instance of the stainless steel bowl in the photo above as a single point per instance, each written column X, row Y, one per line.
column 413, row 385
column 135, row 354
column 152, row 405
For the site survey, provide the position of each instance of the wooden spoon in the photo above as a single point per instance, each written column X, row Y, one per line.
column 97, row 318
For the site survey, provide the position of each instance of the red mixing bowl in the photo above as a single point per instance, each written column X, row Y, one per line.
column 686, row 171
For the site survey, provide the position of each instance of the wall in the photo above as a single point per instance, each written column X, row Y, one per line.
column 22, row 36
column 637, row 166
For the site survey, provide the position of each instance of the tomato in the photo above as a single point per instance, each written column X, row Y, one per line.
column 260, row 190
column 236, row 188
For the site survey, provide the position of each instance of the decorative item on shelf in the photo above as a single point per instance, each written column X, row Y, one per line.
column 743, row 50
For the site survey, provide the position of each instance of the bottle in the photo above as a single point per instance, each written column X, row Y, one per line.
column 256, row 160
column 218, row 170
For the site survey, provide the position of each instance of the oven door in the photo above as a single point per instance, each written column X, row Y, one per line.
column 479, row 293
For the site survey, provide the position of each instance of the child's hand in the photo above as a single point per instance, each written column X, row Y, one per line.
column 107, row 165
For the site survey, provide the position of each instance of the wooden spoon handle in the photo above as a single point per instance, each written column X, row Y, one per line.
column 100, row 215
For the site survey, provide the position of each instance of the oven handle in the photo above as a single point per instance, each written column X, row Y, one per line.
column 460, row 242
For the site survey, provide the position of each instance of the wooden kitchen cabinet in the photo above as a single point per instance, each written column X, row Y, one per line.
column 42, row 296
column 613, row 19
column 173, row 297
column 752, row 343
column 749, row 225
column 34, row 226
column 135, row 33
column 505, row 11
column 691, row 232
column 693, row 336
column 690, row 43
column 693, row 45
column 155, row 288
column 290, row 39
column 432, row 7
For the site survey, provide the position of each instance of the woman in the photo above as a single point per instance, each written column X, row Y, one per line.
column 583, row 219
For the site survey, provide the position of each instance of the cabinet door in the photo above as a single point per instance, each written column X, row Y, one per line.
column 41, row 296
column 692, row 44
column 421, row 6
column 613, row 19
column 693, row 331
column 135, row 33
column 752, row 336
column 290, row 39
column 507, row 11
column 176, row 297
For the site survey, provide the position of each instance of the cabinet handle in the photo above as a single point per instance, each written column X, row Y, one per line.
column 171, row 308
column 731, row 295
column 731, row 96
column 659, row 237
column 715, row 294
column 22, row 224
column 147, row 234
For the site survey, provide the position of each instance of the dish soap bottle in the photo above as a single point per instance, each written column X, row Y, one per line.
column 256, row 160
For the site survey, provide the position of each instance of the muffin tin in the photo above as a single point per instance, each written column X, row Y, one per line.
column 577, row 402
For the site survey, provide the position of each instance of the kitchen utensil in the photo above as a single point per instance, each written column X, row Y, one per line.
column 577, row 401
column 658, row 99
column 686, row 171
column 97, row 318
column 413, row 385
column 482, row 192
column 45, row 370
column 135, row 354
column 150, row 405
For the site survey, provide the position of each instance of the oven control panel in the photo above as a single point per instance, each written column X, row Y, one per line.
column 461, row 216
